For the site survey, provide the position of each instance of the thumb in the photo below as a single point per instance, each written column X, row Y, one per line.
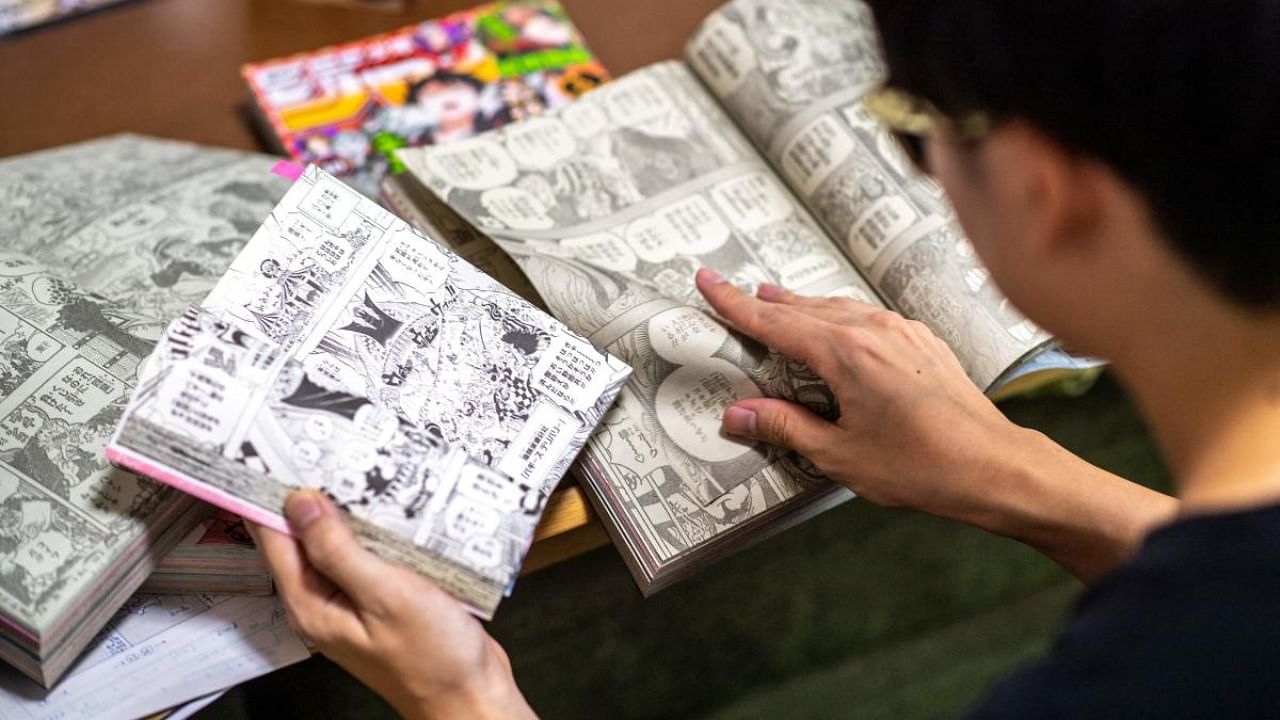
column 781, row 423
column 331, row 547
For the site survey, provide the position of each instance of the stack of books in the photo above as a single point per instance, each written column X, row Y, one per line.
column 217, row 557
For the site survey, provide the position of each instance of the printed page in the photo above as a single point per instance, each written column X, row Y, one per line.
column 609, row 206
column 148, row 224
column 343, row 350
column 370, row 306
column 792, row 73
column 67, row 366
column 160, row 651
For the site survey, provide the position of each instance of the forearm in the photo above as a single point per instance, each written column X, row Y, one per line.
column 1085, row 518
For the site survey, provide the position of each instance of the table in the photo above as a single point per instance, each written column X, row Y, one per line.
column 170, row 68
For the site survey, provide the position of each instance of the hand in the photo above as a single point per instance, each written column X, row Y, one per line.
column 915, row 432
column 392, row 629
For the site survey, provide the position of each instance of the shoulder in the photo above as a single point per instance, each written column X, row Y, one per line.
column 1188, row 628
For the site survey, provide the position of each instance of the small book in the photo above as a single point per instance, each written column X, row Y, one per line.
column 348, row 107
column 101, row 244
column 754, row 156
column 217, row 557
column 344, row 351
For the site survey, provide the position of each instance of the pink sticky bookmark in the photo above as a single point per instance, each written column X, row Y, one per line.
column 287, row 170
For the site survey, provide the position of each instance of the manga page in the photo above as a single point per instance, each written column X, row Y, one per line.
column 792, row 73
column 67, row 366
column 149, row 224
column 609, row 206
column 353, row 354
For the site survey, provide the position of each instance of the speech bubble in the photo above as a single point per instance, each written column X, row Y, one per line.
column 722, row 54
column 685, row 336
column 751, row 201
column 41, row 347
column 571, row 372
column 489, row 488
column 540, row 142
column 375, row 424
column 318, row 428
column 648, row 238
column 421, row 265
column 634, row 100
column 133, row 219
column 18, row 427
column 584, row 118
column 517, row 208
column 306, row 454
column 886, row 219
column 43, row 553
column 359, row 456
column 690, row 402
column 807, row 269
column 694, row 226
column 78, row 392
column 602, row 250
column 329, row 202
column 815, row 151
column 465, row 518
column 472, row 164
column 484, row 552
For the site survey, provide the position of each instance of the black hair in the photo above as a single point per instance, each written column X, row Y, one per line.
column 1180, row 97
column 444, row 77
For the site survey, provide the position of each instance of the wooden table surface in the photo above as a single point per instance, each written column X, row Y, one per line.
column 171, row 68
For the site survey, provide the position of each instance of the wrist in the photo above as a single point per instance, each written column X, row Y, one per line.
column 490, row 693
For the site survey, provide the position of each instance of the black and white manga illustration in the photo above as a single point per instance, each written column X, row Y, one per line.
column 344, row 351
column 752, row 157
column 101, row 244
column 67, row 367
column 149, row 224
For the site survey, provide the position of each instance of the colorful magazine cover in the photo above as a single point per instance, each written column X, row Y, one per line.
column 347, row 108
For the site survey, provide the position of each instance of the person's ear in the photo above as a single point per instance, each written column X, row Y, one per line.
column 1061, row 194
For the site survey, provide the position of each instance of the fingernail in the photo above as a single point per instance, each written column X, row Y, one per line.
column 769, row 291
column 712, row 277
column 739, row 421
column 302, row 507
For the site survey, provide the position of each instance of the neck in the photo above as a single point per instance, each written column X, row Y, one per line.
column 1215, row 411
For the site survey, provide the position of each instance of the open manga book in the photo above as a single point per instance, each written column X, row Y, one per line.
column 344, row 351
column 753, row 156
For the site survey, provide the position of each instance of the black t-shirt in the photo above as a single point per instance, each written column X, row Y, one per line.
column 1189, row 628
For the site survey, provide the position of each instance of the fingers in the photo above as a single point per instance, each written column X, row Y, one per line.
column 316, row 607
column 778, row 326
column 782, row 423
column 332, row 549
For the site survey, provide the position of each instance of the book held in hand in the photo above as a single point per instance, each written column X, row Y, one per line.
column 346, row 352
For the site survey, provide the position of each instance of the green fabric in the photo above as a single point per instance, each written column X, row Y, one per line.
column 859, row 613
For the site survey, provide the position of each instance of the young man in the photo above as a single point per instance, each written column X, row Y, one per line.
column 1113, row 164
